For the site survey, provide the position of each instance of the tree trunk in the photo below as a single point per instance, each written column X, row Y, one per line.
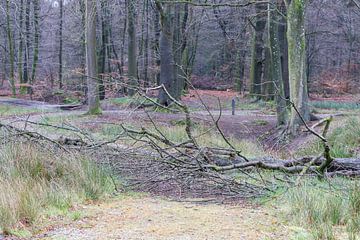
column 21, row 42
column 166, row 54
column 178, row 76
column 11, row 48
column 297, row 63
column 276, row 67
column 132, row 54
column 90, row 31
column 36, row 4
column 61, row 5
column 27, row 47
column 256, row 70
column 103, row 49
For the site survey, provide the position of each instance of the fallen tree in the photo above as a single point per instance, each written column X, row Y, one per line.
column 153, row 162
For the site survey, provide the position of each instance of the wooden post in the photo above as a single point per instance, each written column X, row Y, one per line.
column 233, row 104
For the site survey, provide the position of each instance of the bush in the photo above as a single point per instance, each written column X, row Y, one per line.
column 32, row 181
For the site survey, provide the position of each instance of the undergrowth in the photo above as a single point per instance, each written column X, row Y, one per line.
column 336, row 105
column 327, row 210
column 33, row 181
column 344, row 141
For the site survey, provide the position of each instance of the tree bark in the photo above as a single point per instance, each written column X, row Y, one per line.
column 256, row 70
column 276, row 71
column 132, row 54
column 297, row 63
column 90, row 31
column 36, row 4
column 11, row 48
column 61, row 20
column 167, row 75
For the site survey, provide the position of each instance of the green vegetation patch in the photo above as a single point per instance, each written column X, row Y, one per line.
column 344, row 141
column 133, row 101
column 34, row 183
column 336, row 105
column 325, row 211
column 7, row 110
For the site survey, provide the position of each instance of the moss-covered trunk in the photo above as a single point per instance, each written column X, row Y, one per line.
column 297, row 62
column 91, row 70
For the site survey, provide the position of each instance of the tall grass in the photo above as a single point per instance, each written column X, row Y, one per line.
column 327, row 212
column 32, row 181
column 344, row 141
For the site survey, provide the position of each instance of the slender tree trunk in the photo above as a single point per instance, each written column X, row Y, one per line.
column 132, row 54
column 27, row 47
column 276, row 71
column 83, row 47
column 284, row 50
column 103, row 48
column 146, row 56
column 90, row 31
column 11, row 48
column 178, row 78
column 61, row 12
column 36, row 4
column 256, row 70
column 21, row 42
column 297, row 63
column 157, row 31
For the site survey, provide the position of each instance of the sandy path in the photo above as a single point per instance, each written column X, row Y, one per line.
column 135, row 218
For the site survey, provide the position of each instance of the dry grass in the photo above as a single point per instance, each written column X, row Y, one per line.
column 32, row 181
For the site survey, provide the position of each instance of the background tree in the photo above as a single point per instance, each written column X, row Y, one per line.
column 297, row 63
column 91, row 72
column 132, row 53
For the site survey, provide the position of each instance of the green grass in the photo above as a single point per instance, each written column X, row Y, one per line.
column 335, row 105
column 126, row 101
column 344, row 141
column 6, row 110
column 35, row 183
column 325, row 211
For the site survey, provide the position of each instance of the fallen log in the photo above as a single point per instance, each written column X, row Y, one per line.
column 349, row 166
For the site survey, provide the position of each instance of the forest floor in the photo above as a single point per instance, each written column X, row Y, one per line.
column 152, row 217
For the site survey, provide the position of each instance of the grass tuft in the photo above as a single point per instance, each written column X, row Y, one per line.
column 344, row 141
column 32, row 182
column 323, row 210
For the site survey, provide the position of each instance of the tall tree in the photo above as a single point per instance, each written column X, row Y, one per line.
column 167, row 75
column 297, row 63
column 27, row 46
column 91, row 72
column 11, row 47
column 36, row 4
column 132, row 54
column 275, row 62
column 21, row 43
column 104, row 53
column 61, row 21
column 256, row 71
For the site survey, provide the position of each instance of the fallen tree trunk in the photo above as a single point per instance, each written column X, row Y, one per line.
column 288, row 166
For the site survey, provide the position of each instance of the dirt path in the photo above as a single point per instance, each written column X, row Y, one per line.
column 135, row 218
